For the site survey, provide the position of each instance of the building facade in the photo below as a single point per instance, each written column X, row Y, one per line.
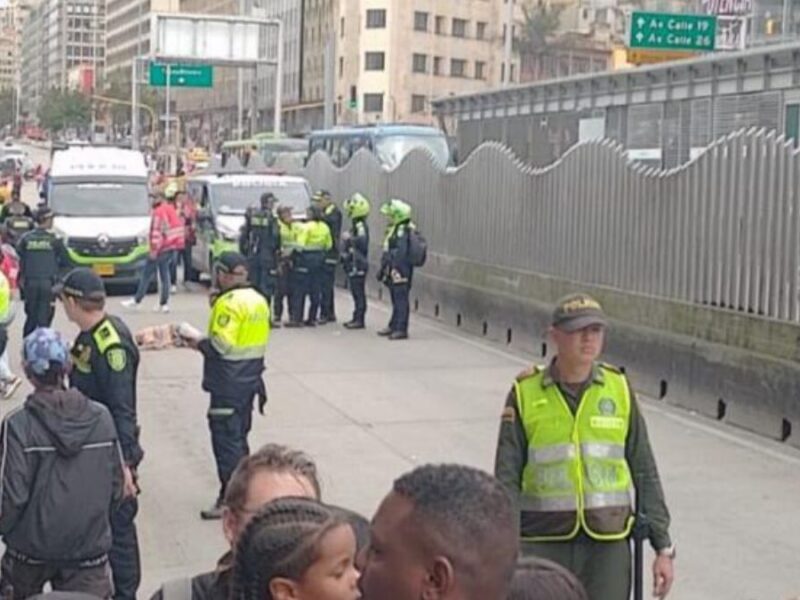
column 58, row 36
column 319, row 39
column 394, row 56
column 128, row 30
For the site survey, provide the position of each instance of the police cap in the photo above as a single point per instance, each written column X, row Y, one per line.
column 230, row 262
column 42, row 214
column 578, row 311
column 81, row 283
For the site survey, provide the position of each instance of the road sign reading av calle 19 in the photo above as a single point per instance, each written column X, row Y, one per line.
column 668, row 31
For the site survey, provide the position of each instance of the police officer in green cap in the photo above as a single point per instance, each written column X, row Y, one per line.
column 354, row 256
column 573, row 450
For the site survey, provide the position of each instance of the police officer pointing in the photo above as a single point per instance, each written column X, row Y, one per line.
column 233, row 352
column 573, row 449
column 105, row 364
column 41, row 257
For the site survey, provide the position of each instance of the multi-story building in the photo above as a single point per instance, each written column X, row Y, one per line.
column 394, row 56
column 8, row 53
column 319, row 37
column 33, row 76
column 128, row 30
column 58, row 36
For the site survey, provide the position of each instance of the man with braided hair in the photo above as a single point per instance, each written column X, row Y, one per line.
column 445, row 532
column 274, row 471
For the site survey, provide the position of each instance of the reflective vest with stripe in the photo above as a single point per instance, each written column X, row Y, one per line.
column 576, row 476
column 239, row 325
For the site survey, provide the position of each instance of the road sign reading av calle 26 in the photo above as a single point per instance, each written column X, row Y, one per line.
column 666, row 31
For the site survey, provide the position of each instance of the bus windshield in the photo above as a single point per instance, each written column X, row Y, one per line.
column 100, row 199
column 391, row 149
column 236, row 198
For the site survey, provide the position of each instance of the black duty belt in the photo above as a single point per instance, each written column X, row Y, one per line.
column 86, row 563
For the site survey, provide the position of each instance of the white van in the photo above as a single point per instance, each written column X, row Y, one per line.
column 102, row 209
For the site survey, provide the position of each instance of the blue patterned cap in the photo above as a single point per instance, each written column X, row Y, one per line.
column 43, row 346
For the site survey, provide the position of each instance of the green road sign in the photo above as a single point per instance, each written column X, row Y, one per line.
column 667, row 31
column 182, row 75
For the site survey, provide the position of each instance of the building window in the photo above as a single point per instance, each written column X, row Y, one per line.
column 373, row 102
column 440, row 28
column 511, row 73
column 437, row 65
column 420, row 63
column 459, row 28
column 420, row 21
column 341, row 67
column 341, row 27
column 376, row 18
column 480, row 70
column 480, row 30
column 418, row 103
column 458, row 67
column 374, row 61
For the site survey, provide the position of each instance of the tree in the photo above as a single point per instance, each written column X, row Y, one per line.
column 61, row 110
column 6, row 107
column 118, row 87
column 541, row 22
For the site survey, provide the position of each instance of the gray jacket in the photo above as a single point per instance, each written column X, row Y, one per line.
column 60, row 477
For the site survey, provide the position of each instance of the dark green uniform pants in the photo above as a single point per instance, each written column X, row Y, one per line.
column 604, row 568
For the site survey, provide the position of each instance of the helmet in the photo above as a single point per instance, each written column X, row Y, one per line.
column 171, row 190
column 396, row 210
column 357, row 206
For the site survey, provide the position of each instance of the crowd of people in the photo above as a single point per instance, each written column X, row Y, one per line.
column 555, row 520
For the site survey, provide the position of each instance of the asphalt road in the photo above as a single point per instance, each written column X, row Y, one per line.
column 368, row 410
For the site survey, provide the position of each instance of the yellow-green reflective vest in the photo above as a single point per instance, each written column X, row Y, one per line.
column 290, row 234
column 576, row 475
column 316, row 235
column 5, row 298
column 239, row 324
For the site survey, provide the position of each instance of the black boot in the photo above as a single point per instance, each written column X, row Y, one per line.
column 398, row 335
column 354, row 325
column 385, row 332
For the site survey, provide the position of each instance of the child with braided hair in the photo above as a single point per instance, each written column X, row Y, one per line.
column 296, row 549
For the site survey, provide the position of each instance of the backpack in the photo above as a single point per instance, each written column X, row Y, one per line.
column 417, row 248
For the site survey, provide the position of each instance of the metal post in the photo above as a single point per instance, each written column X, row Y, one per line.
column 240, row 86
column 508, row 42
column 254, row 102
column 279, row 82
column 167, row 135
column 330, row 67
column 786, row 26
column 134, row 103
column 95, row 22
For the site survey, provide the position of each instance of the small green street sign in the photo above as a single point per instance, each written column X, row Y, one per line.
column 668, row 31
column 182, row 75
column 352, row 104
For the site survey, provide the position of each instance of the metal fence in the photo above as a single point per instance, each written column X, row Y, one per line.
column 722, row 230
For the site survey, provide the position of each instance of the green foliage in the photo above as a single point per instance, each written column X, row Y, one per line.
column 541, row 23
column 63, row 109
column 118, row 86
column 6, row 107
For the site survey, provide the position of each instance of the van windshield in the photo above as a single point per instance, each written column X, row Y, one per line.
column 100, row 199
column 235, row 199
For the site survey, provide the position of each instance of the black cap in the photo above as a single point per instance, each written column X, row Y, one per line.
column 578, row 311
column 81, row 283
column 267, row 197
column 42, row 214
column 230, row 261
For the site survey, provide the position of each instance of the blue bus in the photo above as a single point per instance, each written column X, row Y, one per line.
column 389, row 143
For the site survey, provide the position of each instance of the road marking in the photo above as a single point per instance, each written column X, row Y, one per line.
column 786, row 454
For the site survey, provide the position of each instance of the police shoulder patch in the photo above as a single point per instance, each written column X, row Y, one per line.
column 509, row 415
column 117, row 359
column 529, row 372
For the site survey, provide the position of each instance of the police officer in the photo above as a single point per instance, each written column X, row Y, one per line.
column 41, row 257
column 233, row 352
column 396, row 268
column 314, row 243
column 105, row 365
column 16, row 218
column 284, row 283
column 332, row 217
column 260, row 242
column 573, row 448
column 354, row 256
